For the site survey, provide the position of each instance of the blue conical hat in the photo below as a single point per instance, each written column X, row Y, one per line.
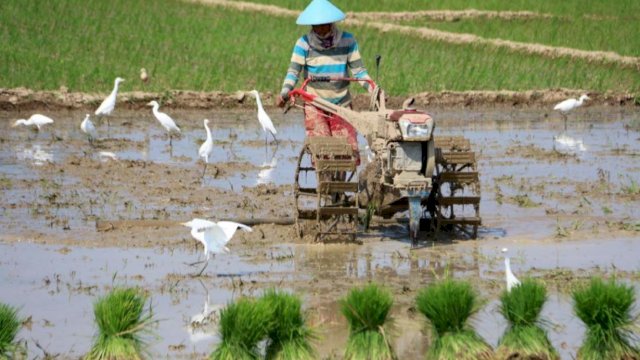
column 320, row 12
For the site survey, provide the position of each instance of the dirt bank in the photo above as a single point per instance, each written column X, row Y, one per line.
column 23, row 99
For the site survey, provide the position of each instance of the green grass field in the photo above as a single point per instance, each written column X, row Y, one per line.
column 624, row 8
column 579, row 33
column 85, row 45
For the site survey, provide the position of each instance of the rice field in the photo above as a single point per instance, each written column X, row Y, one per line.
column 280, row 296
column 83, row 46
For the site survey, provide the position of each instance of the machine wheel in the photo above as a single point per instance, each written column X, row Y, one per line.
column 325, row 180
column 456, row 186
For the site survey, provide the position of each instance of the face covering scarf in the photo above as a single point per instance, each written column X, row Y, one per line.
column 326, row 42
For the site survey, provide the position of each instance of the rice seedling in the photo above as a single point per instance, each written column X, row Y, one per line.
column 243, row 324
column 9, row 327
column 289, row 338
column 605, row 308
column 367, row 311
column 122, row 321
column 448, row 305
column 521, row 307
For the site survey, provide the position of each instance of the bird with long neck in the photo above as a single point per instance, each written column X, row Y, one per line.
column 207, row 147
column 165, row 120
column 512, row 281
column 264, row 119
column 109, row 103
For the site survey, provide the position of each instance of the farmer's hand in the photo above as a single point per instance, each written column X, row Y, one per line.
column 280, row 101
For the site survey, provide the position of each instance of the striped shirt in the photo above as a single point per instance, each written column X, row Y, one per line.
column 335, row 61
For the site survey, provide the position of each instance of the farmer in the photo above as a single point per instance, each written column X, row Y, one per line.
column 328, row 52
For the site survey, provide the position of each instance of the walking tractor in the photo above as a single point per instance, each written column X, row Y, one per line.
column 432, row 179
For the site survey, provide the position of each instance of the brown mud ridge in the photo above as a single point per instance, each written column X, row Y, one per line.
column 368, row 20
column 449, row 15
column 19, row 99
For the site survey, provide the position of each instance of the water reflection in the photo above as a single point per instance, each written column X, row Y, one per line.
column 566, row 144
column 265, row 175
column 35, row 153
column 201, row 325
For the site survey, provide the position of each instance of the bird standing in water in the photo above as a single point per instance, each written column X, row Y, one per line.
column 566, row 106
column 36, row 120
column 165, row 120
column 88, row 128
column 263, row 118
column 512, row 280
column 109, row 103
column 207, row 147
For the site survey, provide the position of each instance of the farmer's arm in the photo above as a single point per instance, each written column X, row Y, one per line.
column 300, row 51
column 358, row 71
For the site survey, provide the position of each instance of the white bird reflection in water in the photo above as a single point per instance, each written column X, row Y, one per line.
column 568, row 145
column 200, row 326
column 36, row 154
column 107, row 155
column 266, row 169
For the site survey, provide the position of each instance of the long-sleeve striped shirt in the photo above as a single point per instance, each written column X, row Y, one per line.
column 335, row 61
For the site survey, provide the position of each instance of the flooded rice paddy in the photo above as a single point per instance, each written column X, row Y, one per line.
column 78, row 219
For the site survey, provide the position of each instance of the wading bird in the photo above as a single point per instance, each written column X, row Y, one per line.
column 36, row 120
column 512, row 280
column 88, row 128
column 213, row 236
column 165, row 120
column 207, row 147
column 566, row 106
column 109, row 103
column 263, row 117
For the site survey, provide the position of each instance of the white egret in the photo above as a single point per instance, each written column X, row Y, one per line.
column 566, row 106
column 165, row 120
column 263, row 117
column 88, row 128
column 144, row 76
column 109, row 103
column 207, row 147
column 566, row 144
column 512, row 281
column 213, row 236
column 36, row 120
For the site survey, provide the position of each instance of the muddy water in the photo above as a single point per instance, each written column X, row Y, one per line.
column 562, row 201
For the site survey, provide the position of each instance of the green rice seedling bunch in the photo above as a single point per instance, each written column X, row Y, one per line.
column 521, row 307
column 243, row 324
column 367, row 311
column 9, row 327
column 122, row 320
column 605, row 308
column 448, row 304
column 289, row 337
